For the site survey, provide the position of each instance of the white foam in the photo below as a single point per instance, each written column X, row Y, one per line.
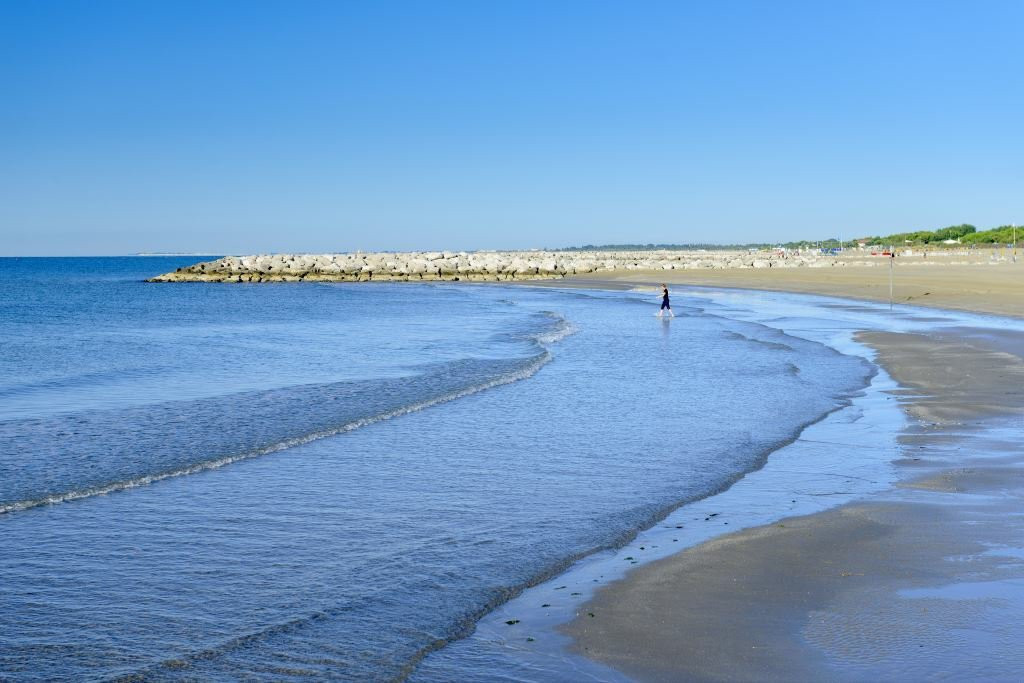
column 523, row 373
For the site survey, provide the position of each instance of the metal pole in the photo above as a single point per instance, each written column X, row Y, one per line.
column 1014, row 242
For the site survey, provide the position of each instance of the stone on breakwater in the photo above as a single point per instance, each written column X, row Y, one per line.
column 474, row 266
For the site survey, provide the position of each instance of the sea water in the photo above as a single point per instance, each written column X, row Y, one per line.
column 283, row 481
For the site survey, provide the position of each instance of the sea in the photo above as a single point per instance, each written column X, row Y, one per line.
column 301, row 481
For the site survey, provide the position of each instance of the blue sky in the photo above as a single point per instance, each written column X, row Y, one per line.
column 236, row 127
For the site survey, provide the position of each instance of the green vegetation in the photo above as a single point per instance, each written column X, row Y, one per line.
column 1001, row 235
column 965, row 234
column 953, row 232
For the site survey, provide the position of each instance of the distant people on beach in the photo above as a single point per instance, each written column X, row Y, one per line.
column 664, row 302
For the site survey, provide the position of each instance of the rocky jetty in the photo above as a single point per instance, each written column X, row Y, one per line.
column 476, row 266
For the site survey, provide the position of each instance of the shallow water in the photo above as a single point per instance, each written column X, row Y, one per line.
column 284, row 481
column 850, row 455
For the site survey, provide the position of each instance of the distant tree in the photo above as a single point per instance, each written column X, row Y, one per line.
column 954, row 232
column 1000, row 235
column 966, row 233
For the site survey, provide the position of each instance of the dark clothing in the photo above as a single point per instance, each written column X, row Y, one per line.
column 664, row 300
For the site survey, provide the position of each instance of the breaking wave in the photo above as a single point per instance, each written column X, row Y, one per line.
column 106, row 451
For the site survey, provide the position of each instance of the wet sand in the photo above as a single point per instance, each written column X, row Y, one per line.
column 997, row 289
column 922, row 582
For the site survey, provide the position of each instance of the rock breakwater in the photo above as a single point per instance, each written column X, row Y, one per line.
column 474, row 266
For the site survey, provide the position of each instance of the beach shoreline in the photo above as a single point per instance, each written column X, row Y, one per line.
column 784, row 596
column 796, row 481
column 529, row 630
column 831, row 595
column 996, row 289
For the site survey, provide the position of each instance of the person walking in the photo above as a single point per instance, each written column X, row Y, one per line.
column 664, row 302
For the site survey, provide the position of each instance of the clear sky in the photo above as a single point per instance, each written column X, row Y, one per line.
column 238, row 127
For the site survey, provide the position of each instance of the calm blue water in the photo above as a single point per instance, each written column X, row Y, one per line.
column 276, row 482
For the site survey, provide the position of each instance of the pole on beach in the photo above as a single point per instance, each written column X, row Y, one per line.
column 892, row 259
column 1014, row 242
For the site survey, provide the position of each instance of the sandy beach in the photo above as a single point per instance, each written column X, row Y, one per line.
column 996, row 288
column 922, row 581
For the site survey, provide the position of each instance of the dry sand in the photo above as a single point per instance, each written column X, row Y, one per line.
column 996, row 288
column 924, row 582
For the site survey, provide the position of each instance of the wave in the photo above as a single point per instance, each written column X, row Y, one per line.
column 559, row 329
column 778, row 346
column 273, row 420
